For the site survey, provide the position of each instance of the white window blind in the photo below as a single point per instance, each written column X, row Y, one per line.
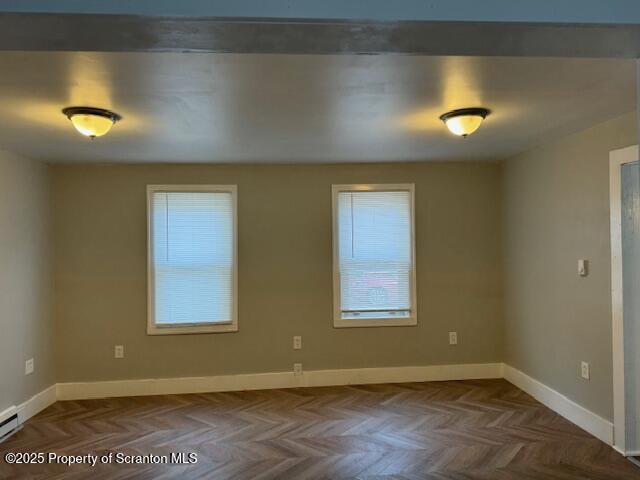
column 375, row 254
column 193, row 264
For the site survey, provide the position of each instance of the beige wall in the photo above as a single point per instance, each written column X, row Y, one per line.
column 25, row 320
column 535, row 215
column 556, row 211
column 285, row 277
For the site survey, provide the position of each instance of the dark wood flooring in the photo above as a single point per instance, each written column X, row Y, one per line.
column 484, row 429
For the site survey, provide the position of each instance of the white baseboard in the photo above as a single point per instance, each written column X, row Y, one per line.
column 31, row 407
column 261, row 381
column 575, row 413
column 7, row 412
column 587, row 420
column 628, row 453
column 36, row 404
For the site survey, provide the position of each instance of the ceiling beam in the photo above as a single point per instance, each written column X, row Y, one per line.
column 562, row 11
column 119, row 33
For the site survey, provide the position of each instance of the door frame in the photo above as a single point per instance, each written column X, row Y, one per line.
column 618, row 158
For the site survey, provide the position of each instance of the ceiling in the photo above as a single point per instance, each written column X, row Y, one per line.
column 227, row 108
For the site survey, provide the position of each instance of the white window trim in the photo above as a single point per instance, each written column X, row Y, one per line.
column 152, row 327
column 338, row 321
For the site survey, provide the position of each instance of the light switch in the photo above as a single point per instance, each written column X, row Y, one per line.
column 583, row 267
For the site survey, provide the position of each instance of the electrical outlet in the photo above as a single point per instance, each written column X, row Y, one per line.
column 297, row 369
column 297, row 342
column 28, row 367
column 118, row 351
column 585, row 371
column 453, row 338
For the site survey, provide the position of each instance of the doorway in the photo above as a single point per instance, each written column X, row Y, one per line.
column 625, row 280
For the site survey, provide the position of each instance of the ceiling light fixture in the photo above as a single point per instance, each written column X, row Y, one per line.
column 464, row 121
column 91, row 122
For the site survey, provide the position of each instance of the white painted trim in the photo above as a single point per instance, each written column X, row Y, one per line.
column 7, row 412
column 617, row 158
column 615, row 447
column 221, row 327
column 260, row 381
column 338, row 321
column 575, row 413
column 36, row 404
column 584, row 418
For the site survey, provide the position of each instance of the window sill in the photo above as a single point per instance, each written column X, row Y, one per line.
column 375, row 322
column 192, row 329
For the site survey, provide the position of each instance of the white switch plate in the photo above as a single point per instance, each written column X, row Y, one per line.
column 585, row 371
column 453, row 338
column 297, row 369
column 28, row 367
column 297, row 342
column 118, row 351
column 583, row 267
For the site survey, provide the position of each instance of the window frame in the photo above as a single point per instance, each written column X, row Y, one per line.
column 338, row 321
column 172, row 329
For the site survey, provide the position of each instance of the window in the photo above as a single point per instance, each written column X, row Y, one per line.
column 192, row 263
column 373, row 255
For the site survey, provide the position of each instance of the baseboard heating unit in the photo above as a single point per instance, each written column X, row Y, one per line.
column 8, row 426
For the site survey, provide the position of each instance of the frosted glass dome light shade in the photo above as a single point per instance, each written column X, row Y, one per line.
column 464, row 121
column 91, row 122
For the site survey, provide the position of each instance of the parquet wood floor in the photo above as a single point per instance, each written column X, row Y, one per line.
column 481, row 429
